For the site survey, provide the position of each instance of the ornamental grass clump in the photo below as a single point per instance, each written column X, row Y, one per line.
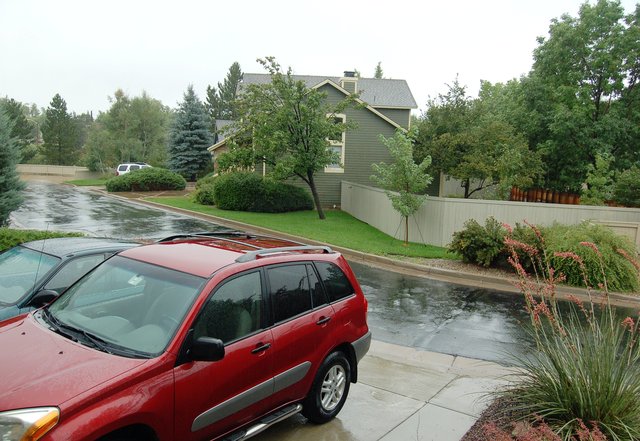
column 586, row 368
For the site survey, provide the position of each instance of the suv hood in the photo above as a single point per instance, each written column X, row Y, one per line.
column 41, row 368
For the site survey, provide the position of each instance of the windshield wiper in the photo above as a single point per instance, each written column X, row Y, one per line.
column 73, row 332
column 58, row 326
column 90, row 339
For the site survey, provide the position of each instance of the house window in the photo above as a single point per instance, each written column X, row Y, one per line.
column 336, row 144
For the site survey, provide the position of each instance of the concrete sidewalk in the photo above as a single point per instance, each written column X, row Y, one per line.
column 405, row 394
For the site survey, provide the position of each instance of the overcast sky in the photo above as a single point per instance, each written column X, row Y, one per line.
column 85, row 50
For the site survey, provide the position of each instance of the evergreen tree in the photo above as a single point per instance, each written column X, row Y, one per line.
column 189, row 138
column 10, row 184
column 220, row 101
column 60, row 134
column 22, row 130
column 378, row 73
column 83, row 123
column 228, row 91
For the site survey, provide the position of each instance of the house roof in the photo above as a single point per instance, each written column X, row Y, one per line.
column 373, row 91
column 221, row 124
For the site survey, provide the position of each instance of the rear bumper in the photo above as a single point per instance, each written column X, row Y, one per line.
column 361, row 346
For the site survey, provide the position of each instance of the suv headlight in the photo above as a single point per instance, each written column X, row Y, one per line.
column 27, row 424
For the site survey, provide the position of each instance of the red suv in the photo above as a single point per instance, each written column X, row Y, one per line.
column 196, row 337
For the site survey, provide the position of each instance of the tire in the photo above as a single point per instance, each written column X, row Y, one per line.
column 329, row 389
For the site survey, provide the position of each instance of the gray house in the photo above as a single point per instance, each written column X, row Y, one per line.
column 388, row 105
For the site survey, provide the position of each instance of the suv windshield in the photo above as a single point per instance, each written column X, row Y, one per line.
column 20, row 269
column 131, row 306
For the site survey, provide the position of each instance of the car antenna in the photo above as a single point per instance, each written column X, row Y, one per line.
column 46, row 233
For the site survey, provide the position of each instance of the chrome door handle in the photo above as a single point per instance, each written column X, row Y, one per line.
column 323, row 320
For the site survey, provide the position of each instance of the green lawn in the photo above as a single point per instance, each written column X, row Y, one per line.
column 339, row 228
column 88, row 182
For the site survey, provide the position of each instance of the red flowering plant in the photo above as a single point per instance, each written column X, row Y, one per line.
column 587, row 364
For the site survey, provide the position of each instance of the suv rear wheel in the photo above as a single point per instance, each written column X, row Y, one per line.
column 329, row 389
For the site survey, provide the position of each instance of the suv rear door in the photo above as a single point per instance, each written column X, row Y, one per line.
column 213, row 397
column 303, row 331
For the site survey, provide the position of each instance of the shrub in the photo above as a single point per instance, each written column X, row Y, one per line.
column 478, row 244
column 206, row 180
column 204, row 194
column 249, row 192
column 10, row 238
column 147, row 179
column 627, row 188
column 587, row 364
column 606, row 266
column 485, row 246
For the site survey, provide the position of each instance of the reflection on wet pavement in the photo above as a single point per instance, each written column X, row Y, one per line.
column 441, row 317
column 65, row 208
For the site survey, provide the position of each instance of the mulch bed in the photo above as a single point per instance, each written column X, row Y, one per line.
column 498, row 413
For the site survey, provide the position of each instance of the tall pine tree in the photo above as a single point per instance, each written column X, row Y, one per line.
column 22, row 130
column 189, row 138
column 10, row 184
column 220, row 101
column 60, row 134
column 378, row 73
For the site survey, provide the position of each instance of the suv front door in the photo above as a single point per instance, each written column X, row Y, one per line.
column 213, row 397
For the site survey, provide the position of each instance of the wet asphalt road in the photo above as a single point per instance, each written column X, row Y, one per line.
column 405, row 310
column 65, row 208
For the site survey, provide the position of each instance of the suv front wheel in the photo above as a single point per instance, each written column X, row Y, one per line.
column 329, row 389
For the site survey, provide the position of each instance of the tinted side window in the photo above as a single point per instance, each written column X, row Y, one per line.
column 317, row 293
column 234, row 311
column 289, row 291
column 72, row 271
column 335, row 281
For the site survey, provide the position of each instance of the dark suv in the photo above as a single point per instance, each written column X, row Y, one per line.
column 34, row 273
column 196, row 337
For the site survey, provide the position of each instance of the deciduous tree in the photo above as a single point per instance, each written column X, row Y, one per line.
column 290, row 126
column 132, row 130
column 583, row 88
column 403, row 180
column 471, row 141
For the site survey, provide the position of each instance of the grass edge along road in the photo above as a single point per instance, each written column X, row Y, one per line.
column 339, row 228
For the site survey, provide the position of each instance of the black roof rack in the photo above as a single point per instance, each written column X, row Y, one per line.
column 214, row 235
column 253, row 255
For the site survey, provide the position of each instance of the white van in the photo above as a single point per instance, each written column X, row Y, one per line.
column 130, row 166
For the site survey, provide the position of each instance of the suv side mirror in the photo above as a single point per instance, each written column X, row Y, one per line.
column 206, row 349
column 43, row 297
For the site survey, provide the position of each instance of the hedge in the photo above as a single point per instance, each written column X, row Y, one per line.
column 10, row 237
column 250, row 192
column 147, row 179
